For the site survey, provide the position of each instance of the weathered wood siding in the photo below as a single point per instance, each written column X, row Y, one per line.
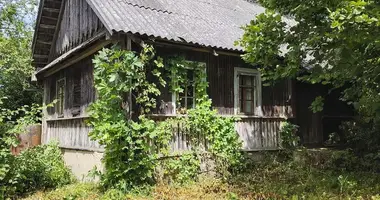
column 259, row 133
column 79, row 23
column 256, row 132
column 315, row 128
column 70, row 129
column 277, row 99
column 71, row 134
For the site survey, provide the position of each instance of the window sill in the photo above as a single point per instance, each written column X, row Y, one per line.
column 242, row 116
column 238, row 116
column 66, row 119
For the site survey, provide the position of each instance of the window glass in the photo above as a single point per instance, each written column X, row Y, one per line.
column 60, row 97
column 187, row 97
column 247, row 94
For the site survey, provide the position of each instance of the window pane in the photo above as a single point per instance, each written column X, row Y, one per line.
column 183, row 102
column 248, row 94
column 190, row 75
column 190, row 91
column 190, row 102
column 240, row 92
column 248, row 107
column 247, row 80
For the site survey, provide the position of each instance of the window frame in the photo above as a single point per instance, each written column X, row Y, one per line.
column 60, row 104
column 257, row 101
column 174, row 95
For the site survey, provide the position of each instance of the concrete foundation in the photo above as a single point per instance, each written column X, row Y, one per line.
column 81, row 162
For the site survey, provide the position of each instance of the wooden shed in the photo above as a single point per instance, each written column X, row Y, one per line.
column 69, row 33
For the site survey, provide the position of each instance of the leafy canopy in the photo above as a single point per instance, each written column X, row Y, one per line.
column 333, row 42
column 16, row 32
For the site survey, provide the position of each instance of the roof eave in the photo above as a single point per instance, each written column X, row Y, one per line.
column 37, row 25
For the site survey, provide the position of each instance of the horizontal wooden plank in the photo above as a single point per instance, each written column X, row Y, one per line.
column 54, row 10
column 47, row 26
column 68, row 119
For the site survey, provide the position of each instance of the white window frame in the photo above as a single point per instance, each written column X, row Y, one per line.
column 174, row 95
column 258, row 91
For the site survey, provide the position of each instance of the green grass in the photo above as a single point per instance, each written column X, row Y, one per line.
column 267, row 179
column 277, row 185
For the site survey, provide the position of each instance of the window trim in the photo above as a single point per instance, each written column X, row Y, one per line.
column 174, row 95
column 258, row 92
column 61, row 115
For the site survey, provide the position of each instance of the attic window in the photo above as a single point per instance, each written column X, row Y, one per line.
column 60, row 106
column 247, row 84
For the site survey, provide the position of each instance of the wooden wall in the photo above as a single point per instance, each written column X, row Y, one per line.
column 315, row 128
column 257, row 132
column 70, row 129
column 277, row 99
column 78, row 23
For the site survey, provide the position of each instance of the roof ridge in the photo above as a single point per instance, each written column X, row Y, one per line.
column 180, row 14
column 147, row 7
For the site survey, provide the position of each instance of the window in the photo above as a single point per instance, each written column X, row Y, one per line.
column 247, row 91
column 60, row 97
column 77, row 94
column 186, row 99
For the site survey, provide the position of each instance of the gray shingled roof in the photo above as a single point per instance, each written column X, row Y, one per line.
column 210, row 23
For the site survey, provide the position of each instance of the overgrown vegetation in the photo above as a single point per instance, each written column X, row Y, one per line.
column 34, row 169
column 328, row 42
column 135, row 144
column 16, row 32
column 307, row 175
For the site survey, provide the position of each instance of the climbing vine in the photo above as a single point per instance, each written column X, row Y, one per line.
column 129, row 157
column 202, row 123
column 134, row 143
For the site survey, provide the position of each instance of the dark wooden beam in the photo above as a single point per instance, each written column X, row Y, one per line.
column 44, row 42
column 194, row 48
column 39, row 63
column 40, row 56
column 49, row 18
column 59, row 63
column 46, row 26
column 54, row 10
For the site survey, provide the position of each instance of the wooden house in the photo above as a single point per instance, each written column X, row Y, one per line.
column 69, row 32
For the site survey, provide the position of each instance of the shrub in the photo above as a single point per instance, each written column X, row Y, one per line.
column 362, row 137
column 37, row 168
column 289, row 138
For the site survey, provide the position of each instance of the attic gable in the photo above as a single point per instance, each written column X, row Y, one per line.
column 61, row 29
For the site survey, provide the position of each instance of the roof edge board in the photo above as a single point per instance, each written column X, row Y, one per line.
column 36, row 29
column 57, row 29
column 67, row 54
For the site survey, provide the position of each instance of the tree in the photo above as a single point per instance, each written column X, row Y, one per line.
column 16, row 32
column 332, row 42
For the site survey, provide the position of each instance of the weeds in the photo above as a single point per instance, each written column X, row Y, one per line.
column 271, row 178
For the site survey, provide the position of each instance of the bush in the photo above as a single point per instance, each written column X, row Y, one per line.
column 289, row 138
column 37, row 168
column 362, row 137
